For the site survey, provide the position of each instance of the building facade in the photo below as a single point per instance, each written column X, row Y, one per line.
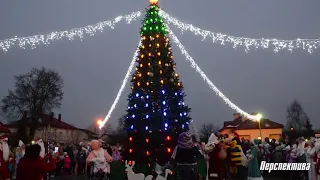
column 249, row 129
column 54, row 128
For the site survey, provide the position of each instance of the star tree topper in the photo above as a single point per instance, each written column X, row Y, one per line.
column 153, row 2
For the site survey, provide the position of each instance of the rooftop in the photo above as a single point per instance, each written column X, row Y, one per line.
column 45, row 120
column 240, row 124
column 3, row 128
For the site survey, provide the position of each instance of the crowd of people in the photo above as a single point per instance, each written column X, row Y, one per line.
column 36, row 162
column 222, row 157
column 232, row 157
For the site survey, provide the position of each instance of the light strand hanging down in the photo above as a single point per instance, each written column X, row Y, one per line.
column 211, row 85
column 248, row 43
column 71, row 34
column 123, row 85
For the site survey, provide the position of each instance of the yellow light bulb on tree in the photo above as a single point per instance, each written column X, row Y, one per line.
column 149, row 64
column 159, row 62
column 147, row 83
column 141, row 65
column 159, row 53
column 149, row 54
column 138, row 83
column 152, row 2
column 139, row 75
column 161, row 81
column 160, row 71
column 142, row 55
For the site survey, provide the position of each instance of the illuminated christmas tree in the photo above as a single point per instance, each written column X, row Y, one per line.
column 156, row 112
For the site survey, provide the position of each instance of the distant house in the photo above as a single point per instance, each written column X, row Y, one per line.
column 86, row 135
column 4, row 129
column 249, row 129
column 59, row 130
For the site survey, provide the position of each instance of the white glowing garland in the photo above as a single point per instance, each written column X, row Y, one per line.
column 212, row 86
column 123, row 85
column 71, row 34
column 249, row 43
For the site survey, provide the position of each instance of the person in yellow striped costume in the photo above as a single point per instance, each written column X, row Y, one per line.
column 235, row 157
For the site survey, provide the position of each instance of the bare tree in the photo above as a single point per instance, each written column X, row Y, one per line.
column 121, row 124
column 36, row 92
column 297, row 118
column 106, row 129
column 207, row 130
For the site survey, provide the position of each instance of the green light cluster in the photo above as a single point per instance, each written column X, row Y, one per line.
column 153, row 23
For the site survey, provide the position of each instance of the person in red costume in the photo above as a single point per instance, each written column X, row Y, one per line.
column 4, row 157
column 217, row 155
column 317, row 155
column 32, row 166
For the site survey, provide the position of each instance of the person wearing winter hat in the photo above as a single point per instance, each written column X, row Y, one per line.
column 4, row 158
column 100, row 158
column 19, row 154
column 310, row 154
column 253, row 164
column 217, row 158
column 185, row 155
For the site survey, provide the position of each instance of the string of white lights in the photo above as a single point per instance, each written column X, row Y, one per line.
column 71, row 34
column 248, row 43
column 123, row 85
column 211, row 85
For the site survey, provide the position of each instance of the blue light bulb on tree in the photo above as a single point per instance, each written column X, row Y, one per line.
column 156, row 96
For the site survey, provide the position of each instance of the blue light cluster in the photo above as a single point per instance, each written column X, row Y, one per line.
column 164, row 109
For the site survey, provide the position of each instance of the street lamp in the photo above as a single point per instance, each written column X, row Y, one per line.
column 259, row 118
column 99, row 122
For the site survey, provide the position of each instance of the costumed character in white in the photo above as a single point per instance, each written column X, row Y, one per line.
column 310, row 153
column 19, row 154
column 301, row 146
column 317, row 157
column 100, row 158
column 40, row 142
column 4, row 158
